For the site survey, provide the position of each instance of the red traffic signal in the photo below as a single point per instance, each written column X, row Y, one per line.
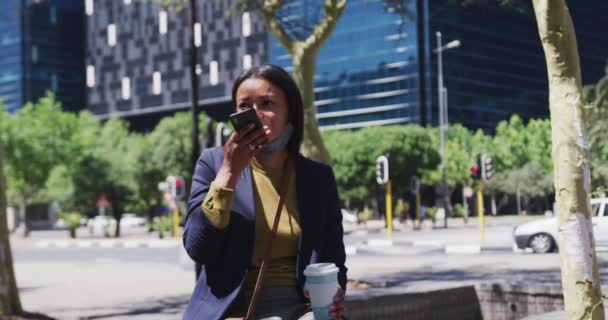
column 475, row 173
column 179, row 182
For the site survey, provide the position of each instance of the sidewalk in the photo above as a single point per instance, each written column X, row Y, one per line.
column 129, row 238
column 473, row 222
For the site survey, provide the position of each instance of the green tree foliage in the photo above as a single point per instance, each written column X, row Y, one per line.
column 597, row 106
column 461, row 148
column 516, row 144
column 531, row 181
column 108, row 167
column 38, row 137
column 170, row 145
column 164, row 151
column 354, row 154
column 10, row 302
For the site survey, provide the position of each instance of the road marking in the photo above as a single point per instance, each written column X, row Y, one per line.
column 163, row 243
column 62, row 244
column 42, row 244
column 463, row 249
column 84, row 244
column 427, row 243
column 379, row 243
column 130, row 244
column 106, row 244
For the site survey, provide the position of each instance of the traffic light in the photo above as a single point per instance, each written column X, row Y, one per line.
column 475, row 173
column 382, row 169
column 176, row 186
column 486, row 165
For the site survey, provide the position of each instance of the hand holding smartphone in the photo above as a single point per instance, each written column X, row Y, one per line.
column 241, row 120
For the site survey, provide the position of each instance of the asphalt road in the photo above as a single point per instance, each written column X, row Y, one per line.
column 71, row 282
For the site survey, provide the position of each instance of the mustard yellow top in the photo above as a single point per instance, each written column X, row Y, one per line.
column 266, row 183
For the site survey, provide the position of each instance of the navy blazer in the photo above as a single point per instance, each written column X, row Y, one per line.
column 226, row 254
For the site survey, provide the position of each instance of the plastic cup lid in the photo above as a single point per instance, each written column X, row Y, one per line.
column 320, row 269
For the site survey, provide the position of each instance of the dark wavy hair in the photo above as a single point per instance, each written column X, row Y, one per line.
column 280, row 78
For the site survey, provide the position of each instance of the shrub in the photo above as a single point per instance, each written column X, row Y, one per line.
column 365, row 215
column 458, row 211
column 161, row 225
column 72, row 219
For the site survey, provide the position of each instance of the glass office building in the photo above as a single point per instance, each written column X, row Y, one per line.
column 500, row 68
column 10, row 55
column 367, row 71
column 42, row 49
column 378, row 67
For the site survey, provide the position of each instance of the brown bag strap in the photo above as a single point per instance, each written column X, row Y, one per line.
column 273, row 235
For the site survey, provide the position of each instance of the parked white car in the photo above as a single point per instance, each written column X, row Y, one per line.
column 131, row 220
column 101, row 225
column 349, row 221
column 98, row 224
column 541, row 235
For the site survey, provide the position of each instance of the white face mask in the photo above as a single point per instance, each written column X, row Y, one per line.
column 278, row 144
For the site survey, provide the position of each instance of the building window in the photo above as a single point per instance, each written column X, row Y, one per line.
column 246, row 23
column 162, row 22
column 198, row 37
column 90, row 76
column 126, row 88
column 213, row 73
column 127, row 2
column 156, row 83
column 53, row 15
column 34, row 53
column 88, row 7
column 247, row 61
column 54, row 84
column 111, row 35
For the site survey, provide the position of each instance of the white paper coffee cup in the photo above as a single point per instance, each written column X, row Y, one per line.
column 321, row 284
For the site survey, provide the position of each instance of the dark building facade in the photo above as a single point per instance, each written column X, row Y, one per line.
column 41, row 49
column 377, row 68
column 138, row 56
column 367, row 71
column 500, row 68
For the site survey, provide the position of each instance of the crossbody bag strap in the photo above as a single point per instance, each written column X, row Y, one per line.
column 282, row 195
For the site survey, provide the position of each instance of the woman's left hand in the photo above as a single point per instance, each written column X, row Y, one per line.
column 336, row 309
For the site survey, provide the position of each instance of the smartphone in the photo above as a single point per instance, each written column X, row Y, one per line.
column 241, row 120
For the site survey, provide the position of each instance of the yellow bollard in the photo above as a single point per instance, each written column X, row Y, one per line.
column 389, row 210
column 480, row 207
column 176, row 223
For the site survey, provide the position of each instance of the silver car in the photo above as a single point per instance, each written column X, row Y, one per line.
column 541, row 235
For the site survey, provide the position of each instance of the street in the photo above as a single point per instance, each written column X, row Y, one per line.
column 146, row 278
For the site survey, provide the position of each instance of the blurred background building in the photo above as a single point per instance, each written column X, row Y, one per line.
column 41, row 48
column 138, row 58
column 131, row 58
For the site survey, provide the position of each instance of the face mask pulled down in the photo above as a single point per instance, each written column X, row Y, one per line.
column 278, row 145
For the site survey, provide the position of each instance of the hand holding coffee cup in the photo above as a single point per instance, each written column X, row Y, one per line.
column 322, row 289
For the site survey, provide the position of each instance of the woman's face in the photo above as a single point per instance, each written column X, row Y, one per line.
column 269, row 102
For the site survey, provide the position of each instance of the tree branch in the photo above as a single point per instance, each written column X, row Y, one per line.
column 555, row 28
column 332, row 11
column 268, row 11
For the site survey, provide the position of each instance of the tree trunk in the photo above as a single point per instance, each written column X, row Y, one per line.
column 570, row 151
column 23, row 216
column 304, row 66
column 117, row 216
column 9, row 294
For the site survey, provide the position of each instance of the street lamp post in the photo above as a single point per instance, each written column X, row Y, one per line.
column 196, row 145
column 443, row 119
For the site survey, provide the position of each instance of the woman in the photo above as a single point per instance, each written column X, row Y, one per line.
column 232, row 205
